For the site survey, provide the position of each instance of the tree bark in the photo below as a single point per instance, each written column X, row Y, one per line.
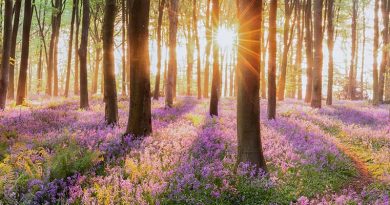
column 84, row 104
column 70, row 48
column 316, row 100
column 110, row 95
column 76, row 57
column 161, row 7
column 351, row 82
column 272, row 60
column 11, row 84
column 385, row 52
column 215, row 83
column 309, row 51
column 22, row 83
column 5, row 60
column 375, row 53
column 209, row 34
column 140, row 120
column 330, row 16
column 190, row 56
column 172, row 66
column 248, row 67
column 124, row 66
column 197, row 44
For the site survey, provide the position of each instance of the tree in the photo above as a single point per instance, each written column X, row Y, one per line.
column 70, row 48
column 351, row 82
column 76, row 88
column 316, row 100
column 5, row 61
column 22, row 84
column 385, row 53
column 140, row 117
column 172, row 65
column 209, row 33
column 375, row 53
column 272, row 60
column 215, row 83
column 159, row 47
column 110, row 95
column 248, row 68
column 309, row 51
column 330, row 15
column 11, row 85
column 197, row 44
column 124, row 66
column 84, row 104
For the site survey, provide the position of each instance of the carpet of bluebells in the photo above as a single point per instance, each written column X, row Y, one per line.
column 54, row 153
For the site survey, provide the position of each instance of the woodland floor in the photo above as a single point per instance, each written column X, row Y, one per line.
column 52, row 152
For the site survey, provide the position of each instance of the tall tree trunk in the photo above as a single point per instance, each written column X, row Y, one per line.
column 124, row 66
column 309, row 51
column 351, row 81
column 95, row 77
column 76, row 57
column 301, row 32
column 272, row 60
column 263, row 81
column 330, row 16
column 84, row 104
column 215, row 83
column 161, row 7
column 140, row 120
column 5, row 60
column 385, row 52
column 376, row 46
column 22, row 83
column 172, row 66
column 248, row 106
column 110, row 95
column 209, row 33
column 363, row 55
column 190, row 56
column 288, row 6
column 316, row 100
column 39, row 71
column 70, row 48
column 11, row 84
column 197, row 44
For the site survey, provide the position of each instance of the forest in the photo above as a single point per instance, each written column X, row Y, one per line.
column 195, row 102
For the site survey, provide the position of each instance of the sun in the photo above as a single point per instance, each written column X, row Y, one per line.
column 226, row 38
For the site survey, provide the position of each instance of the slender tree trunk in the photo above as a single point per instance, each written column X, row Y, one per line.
column 5, row 60
column 39, row 72
column 76, row 57
column 11, row 84
column 22, row 83
column 375, row 53
column 263, row 81
column 124, row 66
column 385, row 52
column 272, row 60
column 70, row 48
column 248, row 106
column 330, row 16
column 316, row 100
column 84, row 104
column 351, row 82
column 140, row 121
column 110, row 95
column 363, row 56
column 161, row 7
column 231, row 70
column 95, row 78
column 173, row 21
column 215, row 83
column 209, row 34
column 309, row 51
column 190, row 56
column 197, row 44
column 301, row 35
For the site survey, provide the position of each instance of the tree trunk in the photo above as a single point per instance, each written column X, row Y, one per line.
column 5, row 60
column 190, row 56
column 309, row 51
column 316, row 100
column 84, row 104
column 22, row 83
column 124, row 66
column 301, row 32
column 197, row 44
column 351, row 81
column 209, row 34
column 172, row 66
column 215, row 83
column 330, row 15
column 140, row 120
column 95, row 77
column 110, row 95
column 272, row 60
column 385, row 52
column 70, row 48
column 248, row 67
column 11, row 84
column 376, row 46
column 363, row 56
column 263, row 81
column 161, row 7
column 76, row 57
